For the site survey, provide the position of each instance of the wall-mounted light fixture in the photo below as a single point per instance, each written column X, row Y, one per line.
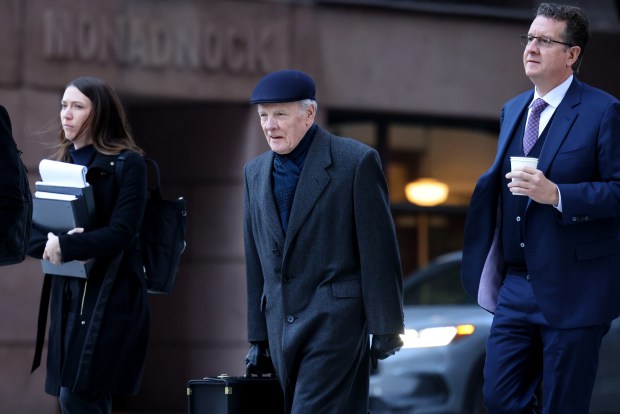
column 426, row 192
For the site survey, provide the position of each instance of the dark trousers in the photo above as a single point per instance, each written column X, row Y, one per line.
column 85, row 402
column 523, row 351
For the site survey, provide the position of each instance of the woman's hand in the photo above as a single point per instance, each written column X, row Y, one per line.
column 52, row 249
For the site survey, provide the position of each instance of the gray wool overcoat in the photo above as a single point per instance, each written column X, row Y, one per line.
column 318, row 291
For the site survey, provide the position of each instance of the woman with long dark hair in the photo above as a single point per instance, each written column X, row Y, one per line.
column 98, row 326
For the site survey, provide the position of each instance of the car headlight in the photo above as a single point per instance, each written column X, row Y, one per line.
column 437, row 336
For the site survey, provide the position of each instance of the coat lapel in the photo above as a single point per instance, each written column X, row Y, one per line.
column 561, row 123
column 267, row 206
column 512, row 119
column 312, row 182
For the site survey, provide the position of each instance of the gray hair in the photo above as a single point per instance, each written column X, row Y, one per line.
column 306, row 103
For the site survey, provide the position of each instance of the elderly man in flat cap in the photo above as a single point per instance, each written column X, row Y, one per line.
column 323, row 269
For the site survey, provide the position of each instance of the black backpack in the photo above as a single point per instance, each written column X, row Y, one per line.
column 15, row 198
column 162, row 234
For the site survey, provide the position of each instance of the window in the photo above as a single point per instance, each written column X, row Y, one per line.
column 437, row 284
column 452, row 152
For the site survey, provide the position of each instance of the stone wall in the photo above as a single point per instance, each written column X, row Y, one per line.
column 185, row 70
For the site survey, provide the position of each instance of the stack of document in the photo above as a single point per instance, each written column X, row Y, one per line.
column 63, row 200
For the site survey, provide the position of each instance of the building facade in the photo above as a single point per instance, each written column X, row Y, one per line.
column 423, row 82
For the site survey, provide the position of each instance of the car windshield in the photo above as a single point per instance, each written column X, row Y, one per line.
column 437, row 284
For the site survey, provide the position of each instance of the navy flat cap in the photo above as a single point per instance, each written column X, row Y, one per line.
column 283, row 86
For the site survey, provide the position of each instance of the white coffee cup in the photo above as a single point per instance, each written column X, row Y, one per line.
column 517, row 164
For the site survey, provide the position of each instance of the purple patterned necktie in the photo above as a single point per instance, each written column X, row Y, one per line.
column 531, row 132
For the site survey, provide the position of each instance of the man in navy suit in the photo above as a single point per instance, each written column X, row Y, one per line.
column 547, row 264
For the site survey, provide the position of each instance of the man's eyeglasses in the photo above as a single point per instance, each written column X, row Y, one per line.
column 542, row 41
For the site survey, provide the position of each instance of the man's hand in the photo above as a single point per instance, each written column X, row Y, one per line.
column 534, row 185
column 258, row 360
column 384, row 346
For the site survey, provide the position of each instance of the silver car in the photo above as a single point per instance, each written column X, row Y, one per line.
column 439, row 369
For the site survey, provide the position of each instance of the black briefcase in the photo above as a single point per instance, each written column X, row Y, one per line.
column 235, row 395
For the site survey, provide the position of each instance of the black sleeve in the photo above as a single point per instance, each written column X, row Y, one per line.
column 9, row 168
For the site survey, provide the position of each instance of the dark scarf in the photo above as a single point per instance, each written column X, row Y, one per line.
column 286, row 172
column 83, row 156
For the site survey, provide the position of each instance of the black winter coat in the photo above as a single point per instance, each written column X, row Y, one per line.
column 109, row 320
column 9, row 165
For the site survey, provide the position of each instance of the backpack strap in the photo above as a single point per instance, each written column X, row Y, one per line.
column 118, row 172
column 154, row 192
column 46, row 292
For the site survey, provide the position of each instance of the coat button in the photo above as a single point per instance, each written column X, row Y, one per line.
column 522, row 244
column 83, row 322
column 574, row 218
column 518, row 218
column 276, row 252
column 290, row 319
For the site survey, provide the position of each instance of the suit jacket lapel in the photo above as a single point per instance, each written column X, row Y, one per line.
column 512, row 119
column 312, row 182
column 268, row 204
column 563, row 119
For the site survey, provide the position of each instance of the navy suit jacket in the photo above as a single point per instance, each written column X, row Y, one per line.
column 573, row 257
